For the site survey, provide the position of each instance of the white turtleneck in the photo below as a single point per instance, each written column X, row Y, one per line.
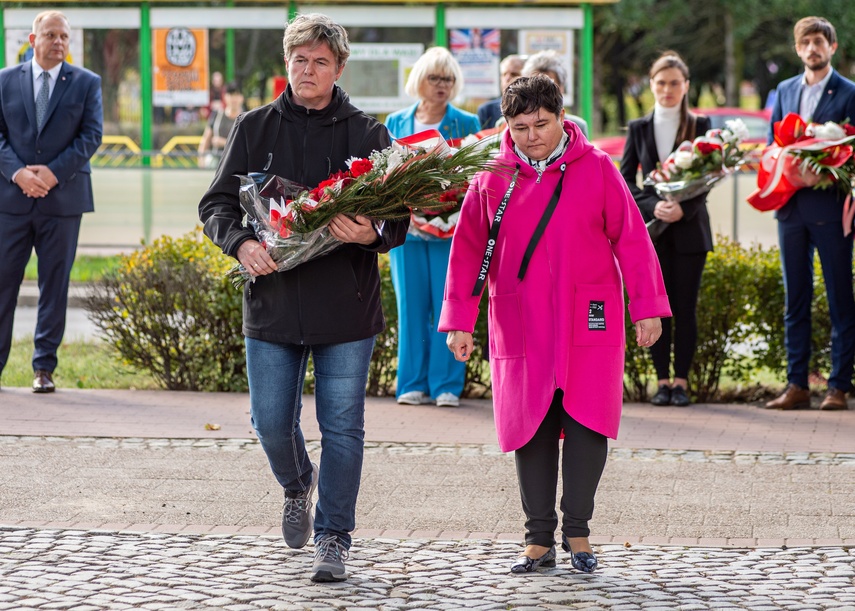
column 666, row 122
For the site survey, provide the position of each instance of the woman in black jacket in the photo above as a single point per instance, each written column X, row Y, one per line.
column 684, row 244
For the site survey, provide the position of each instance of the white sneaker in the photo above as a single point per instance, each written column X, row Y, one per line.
column 414, row 397
column 447, row 399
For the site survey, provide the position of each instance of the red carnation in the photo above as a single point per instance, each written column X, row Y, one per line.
column 705, row 148
column 360, row 167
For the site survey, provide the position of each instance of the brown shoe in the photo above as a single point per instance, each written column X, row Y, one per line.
column 43, row 381
column 795, row 397
column 834, row 399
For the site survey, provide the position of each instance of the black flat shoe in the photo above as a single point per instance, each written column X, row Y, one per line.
column 524, row 564
column 583, row 561
column 662, row 396
column 679, row 397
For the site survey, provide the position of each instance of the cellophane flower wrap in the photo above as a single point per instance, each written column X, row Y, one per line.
column 805, row 155
column 439, row 223
column 412, row 175
column 697, row 166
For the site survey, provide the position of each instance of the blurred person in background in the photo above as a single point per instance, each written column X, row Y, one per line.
column 426, row 371
column 51, row 123
column 810, row 221
column 509, row 70
column 552, row 65
column 682, row 248
column 219, row 125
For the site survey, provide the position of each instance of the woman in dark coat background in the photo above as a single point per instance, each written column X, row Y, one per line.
column 683, row 246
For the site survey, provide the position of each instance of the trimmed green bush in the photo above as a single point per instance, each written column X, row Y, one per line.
column 170, row 310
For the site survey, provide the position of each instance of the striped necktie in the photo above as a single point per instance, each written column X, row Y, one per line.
column 42, row 99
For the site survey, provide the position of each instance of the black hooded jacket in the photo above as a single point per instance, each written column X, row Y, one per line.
column 331, row 299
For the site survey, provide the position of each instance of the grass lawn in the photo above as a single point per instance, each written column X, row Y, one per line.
column 86, row 268
column 81, row 365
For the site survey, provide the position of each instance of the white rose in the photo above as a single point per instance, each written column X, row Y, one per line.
column 737, row 129
column 826, row 131
column 684, row 159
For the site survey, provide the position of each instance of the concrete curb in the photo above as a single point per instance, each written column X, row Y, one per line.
column 28, row 296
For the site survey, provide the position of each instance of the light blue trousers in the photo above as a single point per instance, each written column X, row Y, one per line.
column 424, row 361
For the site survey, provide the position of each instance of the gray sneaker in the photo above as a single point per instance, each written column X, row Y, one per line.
column 330, row 555
column 297, row 518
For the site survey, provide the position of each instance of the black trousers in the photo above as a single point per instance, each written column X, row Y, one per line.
column 682, row 275
column 582, row 463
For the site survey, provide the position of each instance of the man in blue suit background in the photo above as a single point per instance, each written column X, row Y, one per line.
column 50, row 125
column 810, row 221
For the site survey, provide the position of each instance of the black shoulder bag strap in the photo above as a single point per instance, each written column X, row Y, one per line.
column 535, row 238
column 494, row 233
column 541, row 226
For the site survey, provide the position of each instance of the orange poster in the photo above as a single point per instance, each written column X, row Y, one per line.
column 180, row 67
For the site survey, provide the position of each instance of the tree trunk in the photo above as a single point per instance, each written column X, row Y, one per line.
column 731, row 92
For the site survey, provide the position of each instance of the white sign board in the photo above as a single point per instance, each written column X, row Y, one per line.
column 375, row 75
column 18, row 49
column 560, row 41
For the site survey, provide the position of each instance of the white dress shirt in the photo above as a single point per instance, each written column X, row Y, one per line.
column 811, row 95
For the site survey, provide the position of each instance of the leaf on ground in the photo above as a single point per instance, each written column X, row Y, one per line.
column 212, row 427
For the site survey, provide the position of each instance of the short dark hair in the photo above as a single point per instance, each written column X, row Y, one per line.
column 232, row 87
column 814, row 25
column 529, row 94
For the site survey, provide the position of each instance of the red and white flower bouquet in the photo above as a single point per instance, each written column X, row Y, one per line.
column 413, row 174
column 697, row 166
column 806, row 155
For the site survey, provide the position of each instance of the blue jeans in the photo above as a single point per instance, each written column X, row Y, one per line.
column 276, row 373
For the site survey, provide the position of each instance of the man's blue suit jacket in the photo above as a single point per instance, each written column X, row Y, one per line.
column 69, row 137
column 837, row 104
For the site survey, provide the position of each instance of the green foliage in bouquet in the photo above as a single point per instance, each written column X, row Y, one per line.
column 168, row 309
column 391, row 187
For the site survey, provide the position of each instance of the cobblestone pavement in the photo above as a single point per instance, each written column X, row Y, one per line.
column 91, row 570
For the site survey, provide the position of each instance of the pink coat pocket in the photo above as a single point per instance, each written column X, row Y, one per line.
column 507, row 332
column 597, row 316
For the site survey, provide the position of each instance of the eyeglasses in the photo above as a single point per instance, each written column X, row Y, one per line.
column 434, row 79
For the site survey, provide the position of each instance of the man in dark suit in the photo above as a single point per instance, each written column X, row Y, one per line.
column 811, row 221
column 50, row 125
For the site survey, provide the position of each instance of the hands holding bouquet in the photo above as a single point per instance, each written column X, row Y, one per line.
column 695, row 168
column 295, row 224
column 805, row 155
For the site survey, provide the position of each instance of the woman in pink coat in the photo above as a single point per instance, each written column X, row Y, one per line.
column 556, row 241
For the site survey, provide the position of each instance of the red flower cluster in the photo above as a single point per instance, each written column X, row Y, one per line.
column 282, row 217
column 804, row 155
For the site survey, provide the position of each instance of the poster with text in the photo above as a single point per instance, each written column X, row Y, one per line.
column 477, row 52
column 18, row 49
column 560, row 41
column 180, row 57
column 376, row 73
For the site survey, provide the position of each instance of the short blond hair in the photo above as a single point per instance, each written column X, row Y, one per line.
column 438, row 61
column 44, row 16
